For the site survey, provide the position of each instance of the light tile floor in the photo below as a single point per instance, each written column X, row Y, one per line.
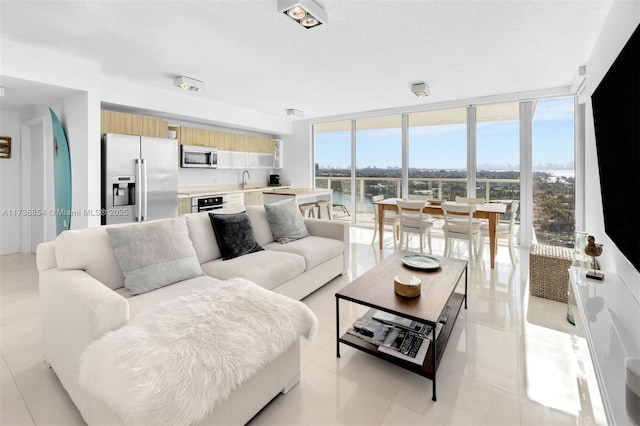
column 512, row 359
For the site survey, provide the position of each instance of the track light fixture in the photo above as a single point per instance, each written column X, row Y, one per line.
column 295, row 113
column 188, row 83
column 307, row 13
column 420, row 90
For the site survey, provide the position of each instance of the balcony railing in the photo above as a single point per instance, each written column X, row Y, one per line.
column 447, row 188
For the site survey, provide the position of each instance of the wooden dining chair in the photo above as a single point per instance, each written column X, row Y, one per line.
column 414, row 220
column 473, row 200
column 505, row 231
column 459, row 224
column 390, row 219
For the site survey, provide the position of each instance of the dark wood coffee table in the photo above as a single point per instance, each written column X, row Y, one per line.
column 375, row 289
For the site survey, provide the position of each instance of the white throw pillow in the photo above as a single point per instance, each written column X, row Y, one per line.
column 154, row 254
column 286, row 221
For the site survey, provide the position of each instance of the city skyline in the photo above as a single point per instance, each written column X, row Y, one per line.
column 443, row 147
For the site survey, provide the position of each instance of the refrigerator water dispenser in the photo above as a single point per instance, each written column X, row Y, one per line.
column 124, row 190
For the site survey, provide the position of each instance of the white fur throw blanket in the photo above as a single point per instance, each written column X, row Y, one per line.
column 173, row 363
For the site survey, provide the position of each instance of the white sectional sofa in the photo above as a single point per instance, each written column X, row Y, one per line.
column 82, row 298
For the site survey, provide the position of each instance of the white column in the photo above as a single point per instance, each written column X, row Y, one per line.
column 405, row 155
column 472, row 134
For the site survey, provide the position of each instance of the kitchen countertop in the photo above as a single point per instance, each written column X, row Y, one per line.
column 199, row 191
column 299, row 191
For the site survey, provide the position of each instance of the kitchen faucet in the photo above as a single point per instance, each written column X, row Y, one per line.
column 244, row 182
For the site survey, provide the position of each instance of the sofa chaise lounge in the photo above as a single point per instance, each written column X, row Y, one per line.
column 82, row 298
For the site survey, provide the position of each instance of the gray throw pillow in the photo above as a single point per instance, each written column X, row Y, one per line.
column 286, row 221
column 234, row 234
column 154, row 254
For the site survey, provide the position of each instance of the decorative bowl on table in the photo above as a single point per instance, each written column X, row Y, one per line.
column 437, row 202
column 407, row 285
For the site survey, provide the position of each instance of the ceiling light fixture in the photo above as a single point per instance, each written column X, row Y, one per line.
column 420, row 90
column 295, row 113
column 187, row 83
column 307, row 13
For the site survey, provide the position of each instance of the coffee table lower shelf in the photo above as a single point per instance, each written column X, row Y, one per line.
column 429, row 367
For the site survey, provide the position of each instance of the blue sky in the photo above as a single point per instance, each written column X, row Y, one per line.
column 444, row 146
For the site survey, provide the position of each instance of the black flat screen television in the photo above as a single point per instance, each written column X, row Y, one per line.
column 616, row 116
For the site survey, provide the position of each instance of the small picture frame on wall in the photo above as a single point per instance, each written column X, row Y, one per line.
column 5, row 147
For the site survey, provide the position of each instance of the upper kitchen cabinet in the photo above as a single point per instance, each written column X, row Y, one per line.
column 132, row 124
column 277, row 154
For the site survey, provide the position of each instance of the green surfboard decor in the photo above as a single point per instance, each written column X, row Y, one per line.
column 61, row 175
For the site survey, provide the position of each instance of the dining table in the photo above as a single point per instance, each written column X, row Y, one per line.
column 489, row 211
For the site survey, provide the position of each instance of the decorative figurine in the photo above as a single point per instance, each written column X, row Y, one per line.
column 593, row 250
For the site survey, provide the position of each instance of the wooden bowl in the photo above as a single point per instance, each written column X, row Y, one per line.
column 436, row 202
column 407, row 285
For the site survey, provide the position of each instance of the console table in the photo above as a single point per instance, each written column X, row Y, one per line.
column 610, row 316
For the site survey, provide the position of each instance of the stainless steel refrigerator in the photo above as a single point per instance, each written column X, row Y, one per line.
column 139, row 178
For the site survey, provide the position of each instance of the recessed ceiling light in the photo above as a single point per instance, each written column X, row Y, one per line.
column 295, row 113
column 188, row 83
column 307, row 13
column 420, row 90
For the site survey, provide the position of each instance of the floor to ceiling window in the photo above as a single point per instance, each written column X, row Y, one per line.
column 438, row 153
column 498, row 153
column 554, row 172
column 378, row 162
column 332, row 143
column 438, row 164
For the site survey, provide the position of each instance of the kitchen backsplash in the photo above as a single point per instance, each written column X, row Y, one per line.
column 197, row 177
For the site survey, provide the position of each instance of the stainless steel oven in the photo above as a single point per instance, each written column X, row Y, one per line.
column 207, row 203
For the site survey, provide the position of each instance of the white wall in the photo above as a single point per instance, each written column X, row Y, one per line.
column 297, row 154
column 623, row 19
column 79, row 114
column 188, row 105
column 10, row 184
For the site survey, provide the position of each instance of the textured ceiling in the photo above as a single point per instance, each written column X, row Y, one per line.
column 364, row 59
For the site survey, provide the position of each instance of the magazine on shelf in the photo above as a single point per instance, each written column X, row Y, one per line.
column 415, row 326
column 397, row 336
column 370, row 330
column 408, row 346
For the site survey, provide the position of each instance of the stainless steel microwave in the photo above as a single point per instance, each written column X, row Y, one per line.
column 199, row 156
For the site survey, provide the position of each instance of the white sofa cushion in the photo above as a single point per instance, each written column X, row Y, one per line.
column 154, row 254
column 90, row 250
column 151, row 299
column 268, row 269
column 202, row 236
column 260, row 225
column 315, row 250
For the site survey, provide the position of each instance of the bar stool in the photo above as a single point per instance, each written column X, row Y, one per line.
column 323, row 203
column 307, row 209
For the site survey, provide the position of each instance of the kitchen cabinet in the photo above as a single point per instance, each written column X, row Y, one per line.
column 259, row 160
column 184, row 205
column 226, row 141
column 235, row 199
column 132, row 124
column 277, row 154
column 233, row 160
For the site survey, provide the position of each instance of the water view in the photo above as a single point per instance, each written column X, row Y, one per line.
column 437, row 161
